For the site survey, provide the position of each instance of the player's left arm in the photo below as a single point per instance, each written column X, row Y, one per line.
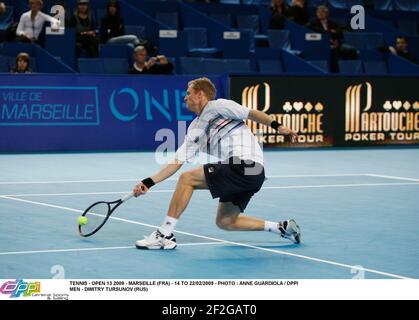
column 263, row 118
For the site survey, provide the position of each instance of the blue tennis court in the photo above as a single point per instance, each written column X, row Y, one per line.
column 357, row 208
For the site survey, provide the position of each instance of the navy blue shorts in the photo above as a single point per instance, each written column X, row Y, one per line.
column 234, row 181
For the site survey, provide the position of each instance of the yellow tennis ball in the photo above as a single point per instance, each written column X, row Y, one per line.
column 82, row 220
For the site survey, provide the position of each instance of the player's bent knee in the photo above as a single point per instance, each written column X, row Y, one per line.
column 185, row 178
column 225, row 223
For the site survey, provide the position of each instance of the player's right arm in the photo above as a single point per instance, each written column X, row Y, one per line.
column 185, row 153
column 165, row 172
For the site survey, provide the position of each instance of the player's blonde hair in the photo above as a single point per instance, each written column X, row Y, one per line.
column 205, row 85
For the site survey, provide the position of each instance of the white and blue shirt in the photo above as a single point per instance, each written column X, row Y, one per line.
column 221, row 132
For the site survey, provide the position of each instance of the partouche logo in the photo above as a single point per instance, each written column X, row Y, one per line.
column 398, row 120
column 20, row 287
column 305, row 118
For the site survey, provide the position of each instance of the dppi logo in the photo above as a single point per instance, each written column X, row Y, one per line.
column 18, row 287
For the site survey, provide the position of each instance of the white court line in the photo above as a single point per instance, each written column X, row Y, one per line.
column 200, row 190
column 100, row 248
column 344, row 185
column 225, row 241
column 69, row 181
column 319, row 175
column 392, row 177
column 174, row 179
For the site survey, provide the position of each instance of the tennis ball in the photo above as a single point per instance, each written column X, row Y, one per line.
column 82, row 220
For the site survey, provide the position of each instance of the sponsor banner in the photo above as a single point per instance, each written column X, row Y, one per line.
column 290, row 101
column 220, row 289
column 338, row 111
column 380, row 111
column 76, row 113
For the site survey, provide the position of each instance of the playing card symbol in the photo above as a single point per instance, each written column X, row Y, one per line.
column 287, row 106
column 416, row 106
column 318, row 107
column 387, row 106
column 308, row 107
column 298, row 106
column 406, row 105
column 397, row 104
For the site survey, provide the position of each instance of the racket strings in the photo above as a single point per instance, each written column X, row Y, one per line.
column 96, row 215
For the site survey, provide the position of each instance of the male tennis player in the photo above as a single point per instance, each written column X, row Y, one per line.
column 219, row 130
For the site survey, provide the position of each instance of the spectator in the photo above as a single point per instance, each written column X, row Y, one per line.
column 85, row 29
column 298, row 12
column 31, row 24
column 22, row 63
column 278, row 11
column 112, row 28
column 401, row 50
column 2, row 8
column 322, row 24
column 155, row 65
column 7, row 34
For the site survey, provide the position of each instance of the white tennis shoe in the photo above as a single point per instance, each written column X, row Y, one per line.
column 290, row 230
column 156, row 240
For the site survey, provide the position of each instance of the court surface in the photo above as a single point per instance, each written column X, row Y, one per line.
column 358, row 210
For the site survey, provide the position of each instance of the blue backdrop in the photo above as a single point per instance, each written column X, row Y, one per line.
column 75, row 113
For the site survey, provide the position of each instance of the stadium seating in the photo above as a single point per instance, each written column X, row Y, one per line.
column 270, row 66
column 169, row 19
column 224, row 18
column 198, row 43
column 279, row 39
column 91, row 65
column 115, row 65
column 138, row 31
column 322, row 65
column 350, row 66
column 375, row 67
column 192, row 65
column 204, row 41
column 408, row 26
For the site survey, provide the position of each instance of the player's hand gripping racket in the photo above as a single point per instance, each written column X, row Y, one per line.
column 95, row 216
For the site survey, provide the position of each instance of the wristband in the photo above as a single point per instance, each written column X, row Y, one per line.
column 275, row 125
column 148, row 182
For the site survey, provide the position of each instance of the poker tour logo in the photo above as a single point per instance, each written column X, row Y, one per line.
column 392, row 120
column 306, row 118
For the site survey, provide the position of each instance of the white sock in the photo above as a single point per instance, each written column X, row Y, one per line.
column 272, row 227
column 168, row 226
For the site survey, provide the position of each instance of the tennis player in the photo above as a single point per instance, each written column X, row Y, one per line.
column 218, row 130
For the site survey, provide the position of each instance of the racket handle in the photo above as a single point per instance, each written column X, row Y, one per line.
column 127, row 196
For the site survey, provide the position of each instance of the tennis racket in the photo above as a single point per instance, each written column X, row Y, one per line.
column 95, row 216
